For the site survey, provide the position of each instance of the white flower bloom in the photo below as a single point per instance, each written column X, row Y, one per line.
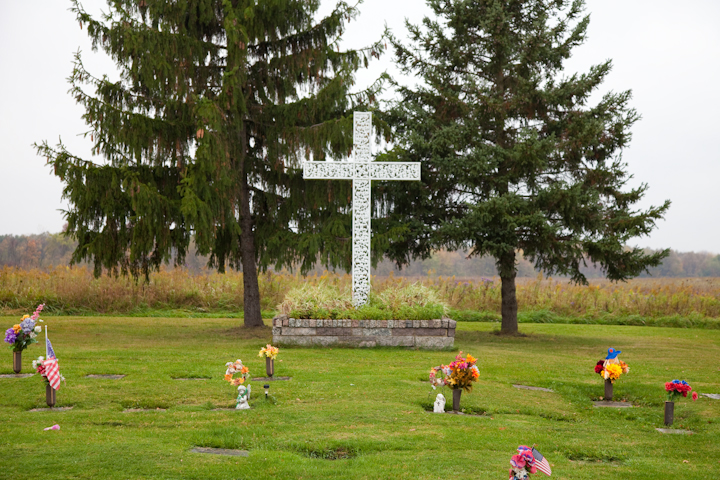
column 38, row 329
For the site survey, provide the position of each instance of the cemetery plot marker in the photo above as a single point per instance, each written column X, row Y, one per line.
column 51, row 409
column 271, row 379
column 361, row 171
column 539, row 389
column 605, row 403
column 674, row 431
column 221, row 451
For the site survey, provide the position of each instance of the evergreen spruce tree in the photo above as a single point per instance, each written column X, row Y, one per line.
column 203, row 134
column 514, row 157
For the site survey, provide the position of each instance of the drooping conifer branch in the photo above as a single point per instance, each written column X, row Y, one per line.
column 200, row 136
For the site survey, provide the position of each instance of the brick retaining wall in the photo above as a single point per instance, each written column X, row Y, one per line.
column 431, row 334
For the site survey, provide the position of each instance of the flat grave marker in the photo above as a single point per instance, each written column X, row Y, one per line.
column 16, row 375
column 608, row 404
column 221, row 451
column 105, row 376
column 539, row 389
column 674, row 431
column 51, row 409
column 140, row 410
column 271, row 379
column 714, row 396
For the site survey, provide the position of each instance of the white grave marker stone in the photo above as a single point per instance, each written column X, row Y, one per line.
column 361, row 170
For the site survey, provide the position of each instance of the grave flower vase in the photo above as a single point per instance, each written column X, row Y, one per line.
column 269, row 366
column 17, row 361
column 50, row 395
column 456, row 399
column 608, row 390
column 669, row 413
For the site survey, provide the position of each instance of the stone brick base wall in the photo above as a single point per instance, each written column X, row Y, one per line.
column 431, row 334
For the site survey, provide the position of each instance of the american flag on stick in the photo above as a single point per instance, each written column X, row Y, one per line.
column 52, row 371
column 541, row 462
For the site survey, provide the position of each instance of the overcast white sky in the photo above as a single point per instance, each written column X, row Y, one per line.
column 666, row 52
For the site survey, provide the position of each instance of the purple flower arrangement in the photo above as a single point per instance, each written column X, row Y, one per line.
column 23, row 334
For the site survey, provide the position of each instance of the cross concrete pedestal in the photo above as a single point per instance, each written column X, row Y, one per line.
column 361, row 170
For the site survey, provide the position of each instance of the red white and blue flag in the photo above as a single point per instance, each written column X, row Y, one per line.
column 52, row 371
column 541, row 462
column 48, row 348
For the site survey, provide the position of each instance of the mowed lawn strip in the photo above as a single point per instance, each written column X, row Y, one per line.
column 354, row 414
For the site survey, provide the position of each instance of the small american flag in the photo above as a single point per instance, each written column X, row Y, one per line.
column 48, row 348
column 541, row 462
column 52, row 371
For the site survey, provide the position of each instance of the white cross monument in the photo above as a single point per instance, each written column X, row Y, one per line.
column 361, row 171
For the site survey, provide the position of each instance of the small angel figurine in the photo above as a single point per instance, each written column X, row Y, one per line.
column 243, row 397
column 439, row 406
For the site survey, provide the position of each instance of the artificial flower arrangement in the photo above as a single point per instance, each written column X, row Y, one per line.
column 460, row 374
column 269, row 351
column 611, row 367
column 39, row 366
column 22, row 335
column 526, row 462
column 676, row 388
column 236, row 367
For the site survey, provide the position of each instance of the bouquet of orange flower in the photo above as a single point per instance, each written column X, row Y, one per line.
column 269, row 351
column 236, row 367
column 460, row 374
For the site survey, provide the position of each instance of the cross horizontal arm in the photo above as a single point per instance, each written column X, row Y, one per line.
column 361, row 170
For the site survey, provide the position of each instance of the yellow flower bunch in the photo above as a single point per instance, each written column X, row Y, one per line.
column 612, row 371
column 269, row 351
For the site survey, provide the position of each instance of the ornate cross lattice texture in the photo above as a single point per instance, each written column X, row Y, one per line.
column 361, row 171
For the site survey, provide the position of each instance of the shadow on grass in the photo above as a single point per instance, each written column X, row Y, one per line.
column 531, row 339
column 249, row 333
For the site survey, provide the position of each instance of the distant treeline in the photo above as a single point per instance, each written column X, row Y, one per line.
column 53, row 249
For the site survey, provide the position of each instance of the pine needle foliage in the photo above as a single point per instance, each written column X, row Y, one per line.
column 515, row 158
column 203, row 135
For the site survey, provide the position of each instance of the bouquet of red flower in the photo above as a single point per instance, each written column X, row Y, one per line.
column 526, row 462
column 39, row 366
column 677, row 388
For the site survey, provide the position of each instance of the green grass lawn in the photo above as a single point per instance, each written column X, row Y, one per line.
column 355, row 414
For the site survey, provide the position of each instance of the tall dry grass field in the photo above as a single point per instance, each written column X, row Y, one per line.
column 73, row 290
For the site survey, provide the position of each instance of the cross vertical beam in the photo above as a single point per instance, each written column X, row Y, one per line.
column 361, row 206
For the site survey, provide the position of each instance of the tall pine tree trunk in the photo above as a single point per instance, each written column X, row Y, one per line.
column 251, row 289
column 509, row 305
